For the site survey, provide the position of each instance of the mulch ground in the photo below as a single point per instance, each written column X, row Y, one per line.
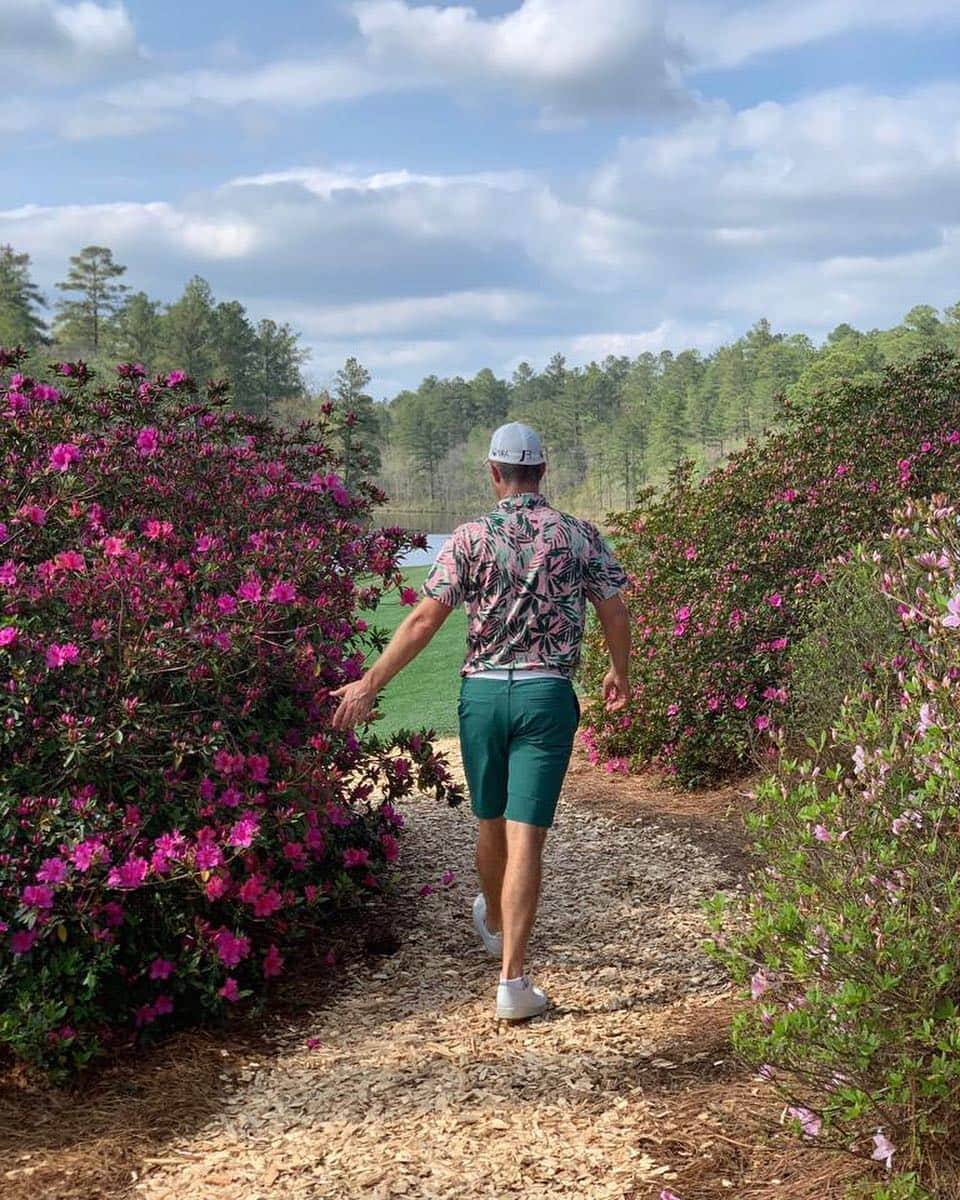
column 390, row 1077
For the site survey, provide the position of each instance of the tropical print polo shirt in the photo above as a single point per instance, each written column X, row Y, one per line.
column 525, row 572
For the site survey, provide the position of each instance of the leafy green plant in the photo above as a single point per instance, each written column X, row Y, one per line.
column 847, row 938
column 725, row 574
column 853, row 629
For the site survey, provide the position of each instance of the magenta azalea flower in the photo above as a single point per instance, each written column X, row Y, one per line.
column 273, row 962
column 230, row 991
column 37, row 896
column 129, row 874
column 408, row 595
column 63, row 455
column 52, row 870
column 148, row 439
column 60, row 656
column 161, row 968
column 230, row 948
column 22, row 940
column 282, row 593
column 354, row 857
column 8, row 635
column 250, row 589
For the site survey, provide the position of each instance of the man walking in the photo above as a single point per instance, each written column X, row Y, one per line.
column 525, row 572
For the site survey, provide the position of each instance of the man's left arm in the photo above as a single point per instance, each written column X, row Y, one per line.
column 415, row 631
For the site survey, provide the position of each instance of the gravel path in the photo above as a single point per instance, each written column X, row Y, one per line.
column 409, row 1087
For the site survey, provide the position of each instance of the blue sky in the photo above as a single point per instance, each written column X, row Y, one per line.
column 440, row 187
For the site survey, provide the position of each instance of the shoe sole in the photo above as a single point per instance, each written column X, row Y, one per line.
column 514, row 1017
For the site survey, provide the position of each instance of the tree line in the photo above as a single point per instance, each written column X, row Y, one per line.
column 102, row 320
column 615, row 427
column 611, row 428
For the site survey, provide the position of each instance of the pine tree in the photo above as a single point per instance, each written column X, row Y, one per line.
column 236, row 352
column 187, row 332
column 138, row 331
column 19, row 298
column 86, row 323
column 280, row 356
column 360, row 421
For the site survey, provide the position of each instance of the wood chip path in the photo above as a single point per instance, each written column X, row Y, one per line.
column 410, row 1088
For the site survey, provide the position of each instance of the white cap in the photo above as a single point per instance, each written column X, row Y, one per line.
column 517, row 444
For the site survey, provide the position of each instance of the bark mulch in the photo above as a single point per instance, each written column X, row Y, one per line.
column 394, row 1079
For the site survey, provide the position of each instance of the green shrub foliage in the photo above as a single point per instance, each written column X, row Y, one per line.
column 848, row 937
column 179, row 594
column 724, row 573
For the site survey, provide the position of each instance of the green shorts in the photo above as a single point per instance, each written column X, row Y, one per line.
column 516, row 736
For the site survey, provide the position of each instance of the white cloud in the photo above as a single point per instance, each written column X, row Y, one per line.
column 725, row 35
column 45, row 36
column 401, row 314
column 668, row 335
column 570, row 55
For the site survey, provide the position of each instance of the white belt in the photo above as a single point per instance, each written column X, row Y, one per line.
column 517, row 674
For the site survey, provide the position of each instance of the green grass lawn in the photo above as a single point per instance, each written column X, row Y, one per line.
column 425, row 692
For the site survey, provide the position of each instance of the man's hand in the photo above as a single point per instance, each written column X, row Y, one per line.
column 616, row 691
column 356, row 704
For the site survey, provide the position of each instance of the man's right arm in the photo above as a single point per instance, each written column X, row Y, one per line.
column 614, row 617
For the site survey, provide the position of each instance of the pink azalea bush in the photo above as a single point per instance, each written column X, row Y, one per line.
column 847, row 938
column 724, row 573
column 180, row 589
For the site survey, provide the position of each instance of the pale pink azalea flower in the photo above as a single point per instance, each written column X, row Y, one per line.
column 810, row 1123
column 952, row 619
column 883, row 1149
column 927, row 718
column 822, row 833
column 759, row 983
column 666, row 1194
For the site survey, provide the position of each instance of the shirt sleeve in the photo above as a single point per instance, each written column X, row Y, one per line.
column 603, row 576
column 447, row 579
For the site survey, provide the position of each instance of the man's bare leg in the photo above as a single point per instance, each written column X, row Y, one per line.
column 491, row 864
column 520, row 892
